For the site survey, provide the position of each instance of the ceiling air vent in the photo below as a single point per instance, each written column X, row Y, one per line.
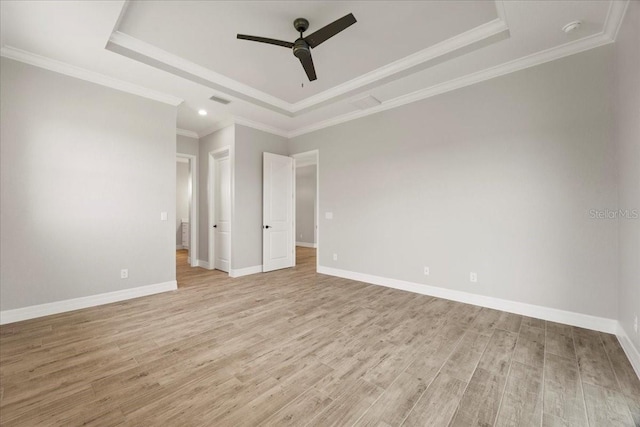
column 220, row 100
column 366, row 102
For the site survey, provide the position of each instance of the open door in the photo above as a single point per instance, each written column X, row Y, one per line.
column 277, row 212
column 220, row 210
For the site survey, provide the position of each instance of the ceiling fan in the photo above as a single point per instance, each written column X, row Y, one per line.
column 302, row 47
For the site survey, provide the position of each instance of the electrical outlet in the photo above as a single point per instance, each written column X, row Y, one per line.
column 335, row 257
column 635, row 323
column 426, row 271
column 124, row 273
column 473, row 277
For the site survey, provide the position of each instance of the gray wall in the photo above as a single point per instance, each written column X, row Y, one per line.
column 182, row 198
column 247, row 221
column 627, row 135
column 187, row 145
column 219, row 139
column 306, row 204
column 496, row 178
column 85, row 172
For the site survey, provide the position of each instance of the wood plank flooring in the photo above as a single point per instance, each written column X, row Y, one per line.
column 296, row 348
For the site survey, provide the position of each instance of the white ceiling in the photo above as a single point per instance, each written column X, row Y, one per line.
column 205, row 33
column 184, row 52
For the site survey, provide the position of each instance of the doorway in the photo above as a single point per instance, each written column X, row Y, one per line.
column 307, row 203
column 220, row 205
column 186, row 208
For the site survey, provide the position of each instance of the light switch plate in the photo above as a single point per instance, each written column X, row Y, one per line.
column 163, row 216
column 328, row 215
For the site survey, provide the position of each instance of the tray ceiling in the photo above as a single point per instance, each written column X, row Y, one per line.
column 183, row 52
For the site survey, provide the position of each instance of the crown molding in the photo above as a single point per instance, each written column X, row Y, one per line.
column 229, row 86
column 611, row 27
column 452, row 44
column 84, row 74
column 244, row 122
column 187, row 133
column 140, row 50
column 612, row 24
column 615, row 16
column 260, row 126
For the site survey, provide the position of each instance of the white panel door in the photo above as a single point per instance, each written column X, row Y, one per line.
column 222, row 207
column 277, row 216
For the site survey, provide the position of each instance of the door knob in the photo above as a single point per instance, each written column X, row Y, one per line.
column 267, row 226
column 215, row 226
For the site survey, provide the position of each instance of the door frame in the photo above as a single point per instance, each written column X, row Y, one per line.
column 226, row 151
column 193, row 207
column 298, row 163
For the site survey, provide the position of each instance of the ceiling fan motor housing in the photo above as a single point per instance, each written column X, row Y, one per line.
column 301, row 49
column 301, row 25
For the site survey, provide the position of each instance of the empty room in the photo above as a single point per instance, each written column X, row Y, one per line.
column 320, row 213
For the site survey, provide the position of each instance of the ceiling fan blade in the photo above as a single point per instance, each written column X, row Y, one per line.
column 307, row 64
column 328, row 31
column 265, row 40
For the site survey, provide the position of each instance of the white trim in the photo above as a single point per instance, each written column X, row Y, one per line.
column 87, row 75
column 239, row 272
column 612, row 24
column 294, row 212
column 615, row 16
column 502, row 14
column 123, row 11
column 305, row 163
column 150, row 51
column 187, row 133
column 540, row 312
column 306, row 245
column 203, row 264
column 316, row 221
column 608, row 35
column 470, row 79
column 630, row 350
column 467, row 38
column 31, row 312
column 243, row 122
column 193, row 207
column 260, row 126
column 452, row 44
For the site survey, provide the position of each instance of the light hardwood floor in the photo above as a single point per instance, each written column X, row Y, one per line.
column 293, row 347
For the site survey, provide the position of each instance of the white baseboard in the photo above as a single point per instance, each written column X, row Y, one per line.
column 630, row 350
column 307, row 245
column 239, row 272
column 203, row 264
column 546, row 313
column 31, row 312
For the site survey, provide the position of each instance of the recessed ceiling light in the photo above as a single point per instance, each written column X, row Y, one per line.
column 571, row 26
column 202, row 112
